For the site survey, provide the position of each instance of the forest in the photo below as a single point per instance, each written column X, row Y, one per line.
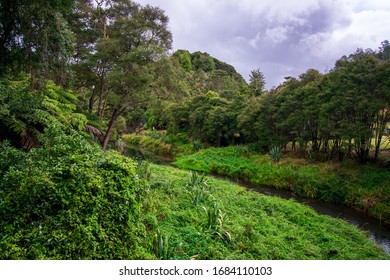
column 107, row 138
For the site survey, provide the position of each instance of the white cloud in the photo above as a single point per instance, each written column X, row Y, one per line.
column 278, row 34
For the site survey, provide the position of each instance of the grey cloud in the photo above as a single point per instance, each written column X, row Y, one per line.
column 279, row 37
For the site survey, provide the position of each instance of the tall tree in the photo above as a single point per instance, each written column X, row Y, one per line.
column 256, row 82
column 359, row 98
column 34, row 37
column 138, row 37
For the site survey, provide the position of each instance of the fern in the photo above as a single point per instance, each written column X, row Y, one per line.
column 24, row 111
column 51, row 105
column 78, row 121
column 16, row 125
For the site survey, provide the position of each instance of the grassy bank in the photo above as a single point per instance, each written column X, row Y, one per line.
column 365, row 187
column 70, row 200
column 158, row 145
column 190, row 217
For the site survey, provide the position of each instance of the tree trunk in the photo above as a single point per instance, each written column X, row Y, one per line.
column 363, row 151
column 378, row 145
column 92, row 100
column 115, row 114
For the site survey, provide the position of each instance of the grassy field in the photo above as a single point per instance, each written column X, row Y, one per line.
column 366, row 187
column 188, row 216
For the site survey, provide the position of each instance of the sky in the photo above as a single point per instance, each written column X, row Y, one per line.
column 279, row 37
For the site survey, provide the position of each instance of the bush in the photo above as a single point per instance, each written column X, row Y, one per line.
column 196, row 145
column 69, row 200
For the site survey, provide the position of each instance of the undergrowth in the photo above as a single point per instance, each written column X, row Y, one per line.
column 70, row 200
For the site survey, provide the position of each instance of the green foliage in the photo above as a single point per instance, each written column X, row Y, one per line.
column 275, row 154
column 151, row 142
column 210, row 118
column 258, row 226
column 184, row 59
column 202, row 61
column 215, row 222
column 197, row 188
column 363, row 187
column 26, row 112
column 341, row 114
column 143, row 169
column 161, row 245
column 35, row 36
column 256, row 83
column 196, row 145
column 69, row 200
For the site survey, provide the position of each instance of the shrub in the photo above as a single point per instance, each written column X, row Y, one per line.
column 275, row 153
column 69, row 200
column 196, row 145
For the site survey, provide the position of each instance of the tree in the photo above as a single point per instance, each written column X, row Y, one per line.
column 359, row 100
column 184, row 57
column 87, row 23
column 202, row 61
column 256, row 82
column 138, row 37
column 34, row 37
column 384, row 53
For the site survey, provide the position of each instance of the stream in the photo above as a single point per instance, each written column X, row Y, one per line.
column 377, row 231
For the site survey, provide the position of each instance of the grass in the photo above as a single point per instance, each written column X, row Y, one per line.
column 233, row 223
column 364, row 187
column 159, row 146
column 150, row 140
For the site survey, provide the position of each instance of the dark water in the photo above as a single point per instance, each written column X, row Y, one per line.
column 377, row 231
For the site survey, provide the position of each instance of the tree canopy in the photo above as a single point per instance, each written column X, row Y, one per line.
column 105, row 67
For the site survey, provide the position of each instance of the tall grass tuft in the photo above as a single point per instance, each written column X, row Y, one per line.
column 215, row 222
column 143, row 169
column 161, row 245
column 275, row 154
column 197, row 188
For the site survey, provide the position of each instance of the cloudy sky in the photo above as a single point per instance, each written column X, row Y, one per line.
column 279, row 37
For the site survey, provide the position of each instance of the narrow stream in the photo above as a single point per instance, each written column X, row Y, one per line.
column 378, row 232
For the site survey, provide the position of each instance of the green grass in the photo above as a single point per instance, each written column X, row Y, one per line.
column 233, row 223
column 70, row 200
column 150, row 140
column 364, row 187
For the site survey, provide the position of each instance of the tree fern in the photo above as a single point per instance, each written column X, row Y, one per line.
column 78, row 121
column 26, row 113
column 16, row 125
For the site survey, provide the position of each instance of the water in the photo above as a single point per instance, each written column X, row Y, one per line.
column 377, row 231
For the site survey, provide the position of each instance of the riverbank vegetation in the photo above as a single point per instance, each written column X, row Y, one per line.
column 71, row 200
column 209, row 218
column 365, row 187
column 79, row 79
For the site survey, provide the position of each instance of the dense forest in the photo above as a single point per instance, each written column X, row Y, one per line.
column 82, row 81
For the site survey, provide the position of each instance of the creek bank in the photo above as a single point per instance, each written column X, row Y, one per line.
column 377, row 230
column 365, row 187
